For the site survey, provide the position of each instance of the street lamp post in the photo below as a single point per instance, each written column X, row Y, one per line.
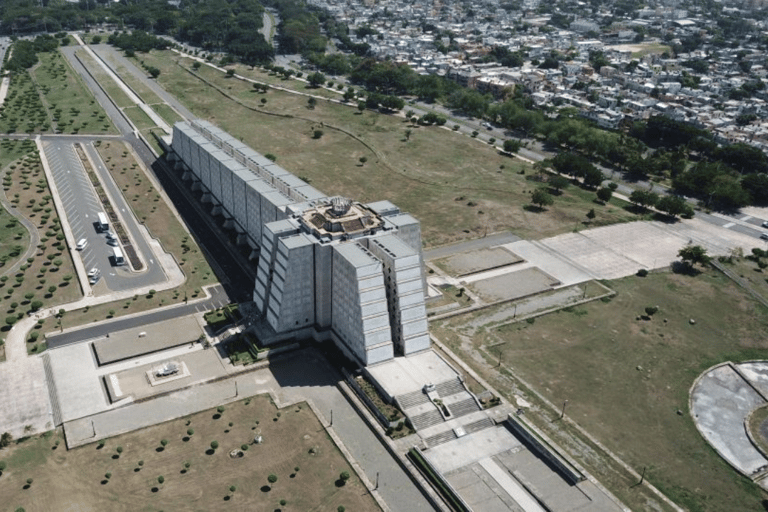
column 562, row 412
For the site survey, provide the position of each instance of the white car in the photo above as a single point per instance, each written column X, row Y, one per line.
column 94, row 272
column 112, row 241
column 94, row 279
column 765, row 224
column 764, row 236
column 111, row 235
column 81, row 244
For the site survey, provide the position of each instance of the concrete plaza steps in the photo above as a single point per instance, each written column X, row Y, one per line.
column 52, row 393
column 443, row 437
column 426, row 419
column 478, row 425
column 450, row 387
column 412, row 399
column 464, row 407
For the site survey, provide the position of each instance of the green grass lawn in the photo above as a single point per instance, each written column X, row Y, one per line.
column 625, row 378
column 14, row 238
column 166, row 112
column 194, row 478
column 23, row 110
column 139, row 118
column 71, row 105
column 458, row 187
column 112, row 89
column 49, row 275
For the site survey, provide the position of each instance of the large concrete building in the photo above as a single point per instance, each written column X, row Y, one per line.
column 329, row 268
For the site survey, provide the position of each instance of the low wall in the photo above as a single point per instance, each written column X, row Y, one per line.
column 542, row 448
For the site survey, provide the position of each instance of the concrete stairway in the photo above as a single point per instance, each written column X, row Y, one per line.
column 412, row 399
column 426, row 419
column 450, row 387
column 464, row 407
column 478, row 425
column 52, row 393
column 443, row 437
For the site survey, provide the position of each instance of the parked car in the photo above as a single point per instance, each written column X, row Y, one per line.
column 94, row 272
column 765, row 224
column 764, row 236
column 81, row 244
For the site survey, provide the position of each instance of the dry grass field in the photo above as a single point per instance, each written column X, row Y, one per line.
column 458, row 187
column 76, row 479
column 626, row 378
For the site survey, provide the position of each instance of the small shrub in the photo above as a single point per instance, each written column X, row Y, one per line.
column 214, row 444
column 272, row 478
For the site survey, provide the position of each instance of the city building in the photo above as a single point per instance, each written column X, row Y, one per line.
column 329, row 268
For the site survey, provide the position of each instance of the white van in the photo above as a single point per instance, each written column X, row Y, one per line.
column 118, row 257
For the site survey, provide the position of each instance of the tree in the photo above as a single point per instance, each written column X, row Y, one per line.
column 363, row 159
column 693, row 254
column 316, row 79
column 511, row 146
column 311, row 103
column 214, row 445
column 317, row 134
column 604, row 194
column 591, row 214
column 36, row 305
column 361, row 106
column 272, row 478
column 408, row 133
column 230, row 73
column 558, row 183
column 674, row 206
column 541, row 198
column 5, row 439
column 593, row 177
column 343, row 477
column 10, row 320
column 644, row 198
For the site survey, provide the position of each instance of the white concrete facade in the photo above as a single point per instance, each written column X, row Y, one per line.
column 328, row 268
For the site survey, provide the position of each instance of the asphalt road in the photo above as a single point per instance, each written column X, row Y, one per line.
column 218, row 298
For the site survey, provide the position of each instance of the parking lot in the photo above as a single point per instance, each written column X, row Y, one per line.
column 82, row 207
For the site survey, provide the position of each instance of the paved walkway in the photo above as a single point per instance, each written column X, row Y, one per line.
column 721, row 401
column 24, row 389
column 304, row 376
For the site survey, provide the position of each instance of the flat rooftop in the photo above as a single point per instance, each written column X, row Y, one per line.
column 404, row 375
column 339, row 217
column 147, row 339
